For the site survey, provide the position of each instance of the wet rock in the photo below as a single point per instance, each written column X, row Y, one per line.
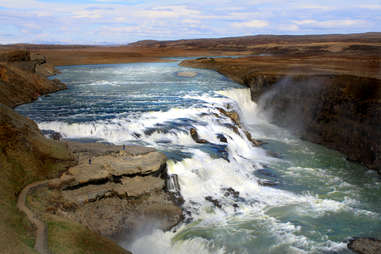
column 252, row 140
column 265, row 182
column 232, row 115
column 137, row 135
column 150, row 131
column 230, row 192
column 233, row 128
column 365, row 245
column 196, row 138
column 222, row 138
column 274, row 154
column 266, row 172
column 56, row 136
column 215, row 202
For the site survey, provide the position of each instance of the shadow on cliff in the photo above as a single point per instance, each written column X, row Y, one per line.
column 342, row 112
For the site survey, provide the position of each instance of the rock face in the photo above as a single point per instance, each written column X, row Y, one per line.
column 323, row 99
column 118, row 190
column 339, row 111
column 365, row 245
column 21, row 80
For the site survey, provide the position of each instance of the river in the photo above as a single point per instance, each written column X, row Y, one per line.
column 287, row 196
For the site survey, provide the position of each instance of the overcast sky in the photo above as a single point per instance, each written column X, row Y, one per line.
column 120, row 22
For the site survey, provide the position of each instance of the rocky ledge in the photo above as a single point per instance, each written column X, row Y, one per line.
column 23, row 78
column 333, row 100
column 116, row 189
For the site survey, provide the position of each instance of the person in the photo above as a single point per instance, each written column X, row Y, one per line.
column 124, row 147
column 89, row 161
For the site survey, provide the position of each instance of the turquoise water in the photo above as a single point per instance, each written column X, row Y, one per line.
column 316, row 200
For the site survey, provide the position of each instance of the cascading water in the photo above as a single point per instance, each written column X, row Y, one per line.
column 238, row 198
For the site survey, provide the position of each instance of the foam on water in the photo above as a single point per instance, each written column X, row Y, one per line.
column 286, row 218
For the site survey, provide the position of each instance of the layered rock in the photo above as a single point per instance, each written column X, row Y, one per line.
column 117, row 190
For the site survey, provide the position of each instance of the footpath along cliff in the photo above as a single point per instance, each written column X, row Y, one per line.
column 72, row 206
column 330, row 97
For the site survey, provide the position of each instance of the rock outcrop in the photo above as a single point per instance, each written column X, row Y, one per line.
column 21, row 80
column 333, row 101
column 365, row 245
column 117, row 190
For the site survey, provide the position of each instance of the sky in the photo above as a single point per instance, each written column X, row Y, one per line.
column 122, row 22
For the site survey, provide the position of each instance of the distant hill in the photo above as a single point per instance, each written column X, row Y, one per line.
column 236, row 43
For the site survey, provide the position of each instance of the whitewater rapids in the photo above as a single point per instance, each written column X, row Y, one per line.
column 316, row 200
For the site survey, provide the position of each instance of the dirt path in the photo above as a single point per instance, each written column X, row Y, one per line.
column 41, row 244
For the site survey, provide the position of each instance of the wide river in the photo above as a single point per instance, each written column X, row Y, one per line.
column 316, row 201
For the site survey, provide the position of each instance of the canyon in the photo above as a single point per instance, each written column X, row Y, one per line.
column 325, row 89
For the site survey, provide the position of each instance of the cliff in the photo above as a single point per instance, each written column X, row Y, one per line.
column 66, row 214
column 332, row 99
column 21, row 80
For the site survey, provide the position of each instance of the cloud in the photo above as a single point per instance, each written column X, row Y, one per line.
column 88, row 14
column 168, row 12
column 89, row 21
column 250, row 24
column 370, row 6
column 289, row 27
column 331, row 23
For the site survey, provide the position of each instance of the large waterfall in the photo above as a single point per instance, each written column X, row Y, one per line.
column 286, row 196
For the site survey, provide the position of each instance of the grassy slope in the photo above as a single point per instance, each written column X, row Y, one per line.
column 25, row 156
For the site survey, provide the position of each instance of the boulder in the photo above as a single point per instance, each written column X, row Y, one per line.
column 215, row 202
column 230, row 192
column 196, row 138
column 222, row 138
column 365, row 245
